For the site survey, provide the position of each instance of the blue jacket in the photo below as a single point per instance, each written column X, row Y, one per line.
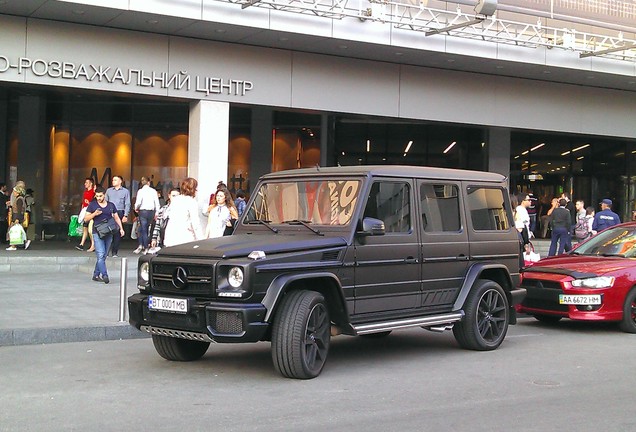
column 605, row 219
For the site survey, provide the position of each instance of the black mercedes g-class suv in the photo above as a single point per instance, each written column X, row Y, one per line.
column 344, row 250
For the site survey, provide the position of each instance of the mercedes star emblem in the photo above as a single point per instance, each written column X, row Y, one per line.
column 180, row 278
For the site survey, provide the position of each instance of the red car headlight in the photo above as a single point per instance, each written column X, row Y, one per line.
column 595, row 282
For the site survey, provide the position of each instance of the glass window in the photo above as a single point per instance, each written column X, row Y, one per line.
column 322, row 202
column 487, row 209
column 440, row 207
column 389, row 202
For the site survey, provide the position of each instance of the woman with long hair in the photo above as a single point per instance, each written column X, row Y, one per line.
column 183, row 223
column 221, row 214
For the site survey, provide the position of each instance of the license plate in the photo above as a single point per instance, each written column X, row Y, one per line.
column 594, row 299
column 168, row 304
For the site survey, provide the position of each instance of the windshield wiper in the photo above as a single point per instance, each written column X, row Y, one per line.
column 263, row 222
column 303, row 223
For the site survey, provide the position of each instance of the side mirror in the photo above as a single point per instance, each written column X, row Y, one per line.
column 372, row 227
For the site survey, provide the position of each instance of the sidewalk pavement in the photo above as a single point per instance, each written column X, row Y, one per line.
column 47, row 295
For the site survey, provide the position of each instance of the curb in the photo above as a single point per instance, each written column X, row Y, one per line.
column 36, row 336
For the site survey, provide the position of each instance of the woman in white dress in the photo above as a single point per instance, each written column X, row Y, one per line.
column 184, row 224
column 220, row 214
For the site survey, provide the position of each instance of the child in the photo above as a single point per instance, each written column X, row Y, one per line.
column 17, row 236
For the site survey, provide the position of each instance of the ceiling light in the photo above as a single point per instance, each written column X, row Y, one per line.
column 525, row 152
column 580, row 148
column 343, row 153
column 517, row 157
column 538, row 146
column 368, row 146
column 283, row 39
column 399, row 53
column 450, row 147
column 581, row 157
column 565, row 153
column 76, row 11
column 152, row 21
column 408, row 147
column 343, row 47
column 220, row 31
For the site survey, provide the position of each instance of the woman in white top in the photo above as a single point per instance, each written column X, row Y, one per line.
column 183, row 222
column 220, row 214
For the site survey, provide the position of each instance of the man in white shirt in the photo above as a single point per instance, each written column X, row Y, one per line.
column 522, row 219
column 146, row 206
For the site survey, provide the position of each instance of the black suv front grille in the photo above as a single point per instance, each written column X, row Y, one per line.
column 183, row 278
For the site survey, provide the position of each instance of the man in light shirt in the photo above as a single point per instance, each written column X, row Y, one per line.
column 146, row 206
column 522, row 219
column 118, row 195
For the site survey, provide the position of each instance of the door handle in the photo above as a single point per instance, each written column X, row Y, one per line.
column 410, row 260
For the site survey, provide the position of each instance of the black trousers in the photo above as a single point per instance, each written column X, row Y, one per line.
column 4, row 226
column 117, row 236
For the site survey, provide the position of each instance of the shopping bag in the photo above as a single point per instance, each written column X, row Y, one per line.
column 529, row 255
column 134, row 230
column 75, row 229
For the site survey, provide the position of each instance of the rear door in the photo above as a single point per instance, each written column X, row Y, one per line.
column 387, row 269
column 445, row 249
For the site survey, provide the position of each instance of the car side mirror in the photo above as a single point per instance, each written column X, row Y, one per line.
column 372, row 227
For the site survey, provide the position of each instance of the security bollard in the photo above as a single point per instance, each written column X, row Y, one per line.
column 122, row 290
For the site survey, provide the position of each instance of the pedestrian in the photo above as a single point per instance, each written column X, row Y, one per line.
column 17, row 206
column 533, row 211
column 240, row 202
column 119, row 195
column 101, row 211
column 561, row 222
column 522, row 220
column 4, row 213
column 221, row 215
column 605, row 218
column 159, row 230
column 29, row 202
column 17, row 236
column 184, row 223
column 146, row 206
column 584, row 220
column 87, row 197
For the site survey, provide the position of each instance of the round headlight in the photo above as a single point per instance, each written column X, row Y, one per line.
column 144, row 271
column 235, row 277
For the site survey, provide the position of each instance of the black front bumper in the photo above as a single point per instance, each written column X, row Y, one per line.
column 219, row 322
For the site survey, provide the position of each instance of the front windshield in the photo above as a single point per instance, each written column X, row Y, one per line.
column 320, row 202
column 612, row 242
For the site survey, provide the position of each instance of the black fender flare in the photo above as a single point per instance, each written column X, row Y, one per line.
column 474, row 273
column 279, row 285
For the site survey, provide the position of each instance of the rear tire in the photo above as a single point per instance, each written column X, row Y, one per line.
column 175, row 349
column 301, row 335
column 485, row 324
column 628, row 323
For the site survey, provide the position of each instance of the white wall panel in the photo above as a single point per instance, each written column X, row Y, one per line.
column 180, row 8
column 297, row 23
column 216, row 11
column 346, row 85
column 362, row 31
column 13, row 36
column 117, row 4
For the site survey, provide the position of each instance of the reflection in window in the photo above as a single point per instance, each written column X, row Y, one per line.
column 440, row 207
column 486, row 207
column 389, row 202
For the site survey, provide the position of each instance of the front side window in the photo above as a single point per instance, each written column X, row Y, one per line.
column 389, row 202
column 487, row 209
column 320, row 202
column 440, row 207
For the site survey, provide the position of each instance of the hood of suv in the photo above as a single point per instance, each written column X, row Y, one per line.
column 241, row 245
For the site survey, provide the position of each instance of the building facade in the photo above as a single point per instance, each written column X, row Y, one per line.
column 229, row 91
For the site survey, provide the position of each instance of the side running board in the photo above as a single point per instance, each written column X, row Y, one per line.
column 429, row 321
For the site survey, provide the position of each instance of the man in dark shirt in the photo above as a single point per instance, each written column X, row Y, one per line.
column 561, row 224
column 605, row 218
column 4, row 198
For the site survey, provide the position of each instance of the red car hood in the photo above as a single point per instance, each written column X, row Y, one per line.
column 582, row 264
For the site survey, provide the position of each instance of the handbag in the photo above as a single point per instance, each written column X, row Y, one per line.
column 106, row 228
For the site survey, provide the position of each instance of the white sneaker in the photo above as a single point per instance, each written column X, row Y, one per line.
column 27, row 244
column 138, row 250
column 11, row 248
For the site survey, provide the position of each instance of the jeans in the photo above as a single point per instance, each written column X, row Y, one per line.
column 562, row 236
column 101, row 251
column 117, row 235
column 145, row 219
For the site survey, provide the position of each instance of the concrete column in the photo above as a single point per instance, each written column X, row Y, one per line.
column 32, row 149
column 327, row 141
column 3, row 135
column 208, row 146
column 498, row 150
column 261, row 151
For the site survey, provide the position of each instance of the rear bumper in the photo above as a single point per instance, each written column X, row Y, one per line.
column 216, row 321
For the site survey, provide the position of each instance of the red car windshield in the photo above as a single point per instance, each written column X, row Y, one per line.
column 619, row 241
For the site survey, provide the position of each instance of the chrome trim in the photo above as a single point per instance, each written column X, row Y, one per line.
column 408, row 322
column 201, row 337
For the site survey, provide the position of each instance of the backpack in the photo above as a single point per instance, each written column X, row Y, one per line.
column 581, row 230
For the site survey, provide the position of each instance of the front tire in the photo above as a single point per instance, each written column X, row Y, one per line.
column 301, row 335
column 175, row 349
column 628, row 323
column 485, row 324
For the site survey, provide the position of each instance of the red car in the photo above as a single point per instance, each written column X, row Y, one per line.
column 596, row 281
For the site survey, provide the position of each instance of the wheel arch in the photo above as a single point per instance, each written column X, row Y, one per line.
column 491, row 271
column 325, row 283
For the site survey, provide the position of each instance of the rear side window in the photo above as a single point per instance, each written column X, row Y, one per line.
column 486, row 207
column 389, row 202
column 440, row 207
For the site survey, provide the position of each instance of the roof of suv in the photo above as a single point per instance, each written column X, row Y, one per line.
column 392, row 171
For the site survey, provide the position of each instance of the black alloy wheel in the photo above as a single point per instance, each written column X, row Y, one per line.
column 628, row 323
